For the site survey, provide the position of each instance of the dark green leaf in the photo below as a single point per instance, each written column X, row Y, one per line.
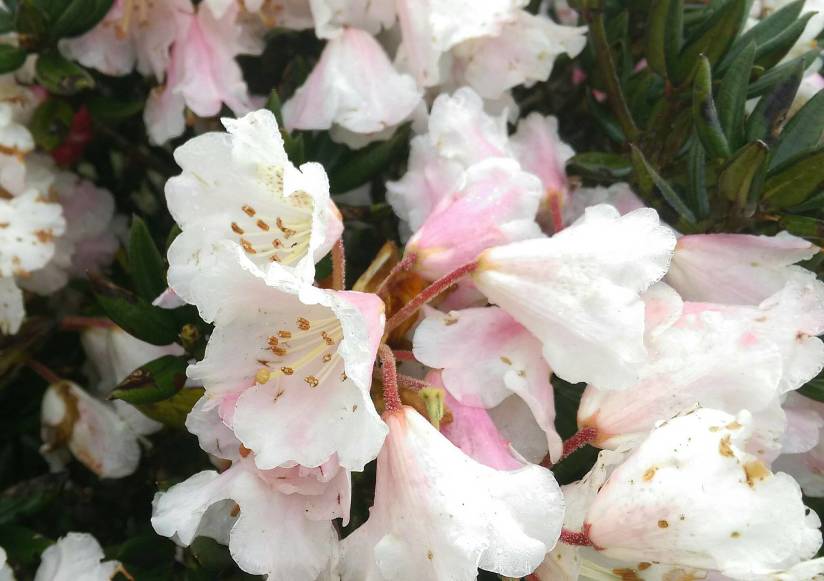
column 796, row 180
column 30, row 22
column 22, row 545
column 715, row 39
column 172, row 412
column 802, row 132
column 705, row 115
column 137, row 316
column 274, row 104
column 781, row 73
column 732, row 95
column 11, row 58
column 600, row 166
column 814, row 388
column 62, row 76
column 737, row 177
column 664, row 35
column 764, row 31
column 146, row 267
column 804, row 226
column 29, row 497
column 50, row 123
column 696, row 167
column 77, row 17
column 652, row 183
column 111, row 110
column 604, row 120
column 765, row 121
column 155, row 381
column 777, row 47
column 365, row 164
column 8, row 15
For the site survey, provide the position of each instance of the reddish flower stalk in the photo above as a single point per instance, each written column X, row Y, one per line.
column 429, row 293
column 404, row 264
column 338, row 266
column 402, row 355
column 556, row 212
column 579, row 539
column 411, row 382
column 578, row 440
column 44, row 372
column 391, row 397
column 72, row 323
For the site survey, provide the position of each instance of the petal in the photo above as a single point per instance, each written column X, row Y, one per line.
column 333, row 16
column 30, row 225
column 12, row 309
column 75, row 556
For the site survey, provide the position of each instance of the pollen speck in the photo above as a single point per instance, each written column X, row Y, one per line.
column 662, row 524
column 755, row 470
column 262, row 375
column 724, row 447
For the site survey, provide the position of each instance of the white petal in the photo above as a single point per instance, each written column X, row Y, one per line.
column 74, row 557
column 28, row 227
column 333, row 16
column 12, row 309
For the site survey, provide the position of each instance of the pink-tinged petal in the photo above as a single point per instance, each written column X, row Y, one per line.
column 487, row 356
column 352, row 86
column 805, row 420
column 690, row 496
column 736, row 268
column 515, row 421
column 541, row 151
column 334, row 16
column 168, row 299
column 164, row 113
column 497, row 205
column 73, row 557
column 523, row 53
column 619, row 195
column 272, row 534
column 806, row 468
column 213, row 435
column 430, row 28
column 578, row 292
column 662, row 309
column 433, row 509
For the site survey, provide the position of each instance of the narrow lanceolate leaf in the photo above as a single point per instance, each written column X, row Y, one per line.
column 769, row 114
column 763, row 32
column 137, row 316
column 61, row 76
column 664, row 35
column 157, row 380
column 804, row 226
column 172, row 412
column 363, row 165
column 777, row 47
column 804, row 131
column 146, row 267
column 796, row 180
column 597, row 165
column 652, row 183
column 736, row 179
column 714, row 40
column 732, row 95
column 705, row 114
column 696, row 178
column 11, row 58
column 781, row 73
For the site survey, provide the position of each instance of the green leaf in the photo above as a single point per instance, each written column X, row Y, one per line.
column 365, row 164
column 29, row 497
column 155, row 381
column 50, row 123
column 764, row 31
column 77, row 17
column 814, row 389
column 22, row 545
column 652, row 183
column 600, row 166
column 61, row 76
column 11, row 58
column 705, row 115
column 769, row 114
column 274, row 104
column 732, row 95
column 604, row 120
column 111, row 110
column 146, row 267
column 137, row 316
column 776, row 48
column 716, row 37
column 567, row 400
column 804, row 226
column 664, row 35
column 736, row 179
column 796, row 180
column 8, row 16
column 803, row 131
column 172, row 412
column 30, row 21
column 781, row 73
column 697, row 181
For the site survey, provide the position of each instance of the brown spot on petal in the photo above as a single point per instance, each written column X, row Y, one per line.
column 287, row 370
column 755, row 470
column 285, row 334
column 44, row 236
column 429, row 555
column 662, row 524
column 235, row 510
column 626, row 574
column 643, row 566
column 506, row 360
column 311, row 380
column 735, row 534
column 724, row 447
column 734, row 425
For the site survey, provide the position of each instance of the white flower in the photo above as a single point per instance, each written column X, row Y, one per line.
column 17, row 103
column 353, row 89
column 439, row 515
column 240, row 186
column 281, row 526
column 75, row 557
column 578, row 292
column 12, row 309
column 689, row 495
column 334, row 16
column 6, row 574
column 291, row 365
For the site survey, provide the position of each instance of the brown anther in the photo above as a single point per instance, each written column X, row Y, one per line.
column 244, row 451
column 237, row 229
column 724, row 447
column 250, row 211
column 44, row 236
column 287, row 370
column 262, row 225
column 311, row 380
column 285, row 334
column 326, row 338
column 303, row 324
column 662, row 524
column 247, row 246
column 327, row 357
column 277, row 243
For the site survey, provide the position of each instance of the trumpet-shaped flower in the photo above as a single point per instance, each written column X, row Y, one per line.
column 240, row 186
column 578, row 292
column 333, row 16
column 290, row 365
column 486, row 356
column 738, row 269
column 496, row 204
column 353, row 89
column 76, row 556
column 440, row 515
column 689, row 495
column 280, row 524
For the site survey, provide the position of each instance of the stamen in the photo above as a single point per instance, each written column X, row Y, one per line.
column 287, row 370
column 249, row 210
column 311, row 380
column 237, row 229
column 303, row 324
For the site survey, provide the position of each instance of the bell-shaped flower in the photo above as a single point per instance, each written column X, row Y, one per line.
column 689, row 495
column 89, row 241
column 439, row 515
column 202, row 73
column 496, row 204
column 430, row 28
column 460, row 134
column 353, row 89
column 486, row 356
column 578, row 292
column 521, row 53
column 240, row 186
column 619, row 195
column 76, row 556
column 738, row 269
column 279, row 521
column 702, row 359
column 290, row 365
column 333, row 16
